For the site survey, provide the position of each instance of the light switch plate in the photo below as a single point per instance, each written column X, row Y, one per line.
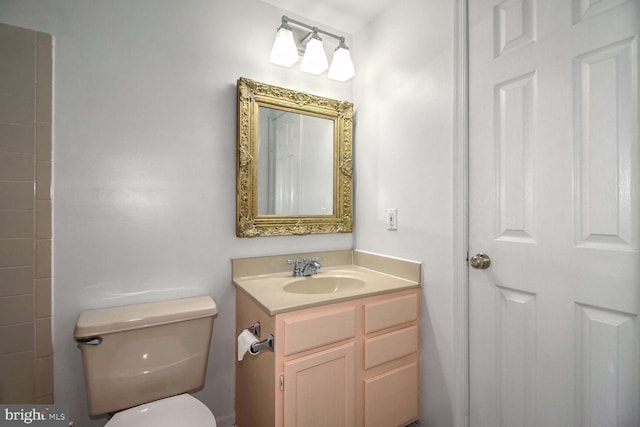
column 392, row 219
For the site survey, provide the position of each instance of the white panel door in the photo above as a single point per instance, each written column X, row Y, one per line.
column 554, row 202
column 285, row 175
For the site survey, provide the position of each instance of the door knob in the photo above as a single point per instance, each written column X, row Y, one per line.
column 480, row 261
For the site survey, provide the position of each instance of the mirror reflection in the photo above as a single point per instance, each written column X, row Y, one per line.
column 295, row 163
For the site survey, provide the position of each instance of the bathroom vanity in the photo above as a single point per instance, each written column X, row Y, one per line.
column 352, row 348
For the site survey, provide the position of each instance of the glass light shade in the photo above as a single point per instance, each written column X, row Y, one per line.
column 284, row 51
column 314, row 60
column 341, row 65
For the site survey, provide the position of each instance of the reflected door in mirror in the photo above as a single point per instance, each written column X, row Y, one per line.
column 295, row 163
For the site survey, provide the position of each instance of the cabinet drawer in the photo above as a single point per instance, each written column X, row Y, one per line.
column 391, row 346
column 391, row 399
column 391, row 312
column 311, row 331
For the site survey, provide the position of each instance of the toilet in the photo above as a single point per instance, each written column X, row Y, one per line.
column 141, row 361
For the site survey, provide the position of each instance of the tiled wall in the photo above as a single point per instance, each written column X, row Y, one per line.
column 26, row 354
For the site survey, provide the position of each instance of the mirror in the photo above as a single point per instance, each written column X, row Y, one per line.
column 294, row 162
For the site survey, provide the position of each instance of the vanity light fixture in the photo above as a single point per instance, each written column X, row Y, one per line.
column 286, row 51
column 341, row 67
column 314, row 60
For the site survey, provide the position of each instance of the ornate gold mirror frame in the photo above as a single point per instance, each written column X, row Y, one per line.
column 251, row 96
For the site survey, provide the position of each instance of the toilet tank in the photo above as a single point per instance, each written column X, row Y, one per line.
column 140, row 353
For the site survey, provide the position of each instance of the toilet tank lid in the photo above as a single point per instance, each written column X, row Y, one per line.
column 116, row 319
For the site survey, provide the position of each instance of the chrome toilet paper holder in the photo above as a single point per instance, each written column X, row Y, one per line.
column 255, row 329
column 266, row 344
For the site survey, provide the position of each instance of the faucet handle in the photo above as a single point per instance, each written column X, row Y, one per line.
column 296, row 266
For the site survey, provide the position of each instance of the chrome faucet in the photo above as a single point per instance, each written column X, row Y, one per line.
column 310, row 266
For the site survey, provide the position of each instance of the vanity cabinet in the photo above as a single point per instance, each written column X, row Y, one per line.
column 352, row 363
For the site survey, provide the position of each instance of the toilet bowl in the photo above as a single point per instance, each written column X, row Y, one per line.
column 181, row 410
column 141, row 360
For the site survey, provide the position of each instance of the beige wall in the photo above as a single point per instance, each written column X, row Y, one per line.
column 26, row 355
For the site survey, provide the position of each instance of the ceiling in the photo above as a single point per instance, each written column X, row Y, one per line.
column 345, row 15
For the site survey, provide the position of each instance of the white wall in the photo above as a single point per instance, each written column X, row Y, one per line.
column 144, row 161
column 404, row 159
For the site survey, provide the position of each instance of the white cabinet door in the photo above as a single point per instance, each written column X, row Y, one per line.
column 554, row 193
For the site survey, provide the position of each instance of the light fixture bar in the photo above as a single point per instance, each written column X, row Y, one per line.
column 286, row 20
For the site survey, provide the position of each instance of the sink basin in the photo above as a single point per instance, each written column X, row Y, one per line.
column 323, row 285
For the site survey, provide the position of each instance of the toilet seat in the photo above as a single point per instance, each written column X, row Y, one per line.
column 180, row 410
